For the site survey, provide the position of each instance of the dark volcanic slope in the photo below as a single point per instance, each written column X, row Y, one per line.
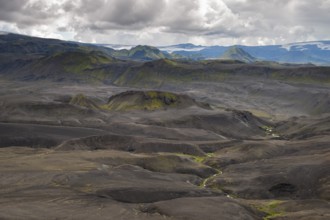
column 43, row 136
column 95, row 151
column 71, row 154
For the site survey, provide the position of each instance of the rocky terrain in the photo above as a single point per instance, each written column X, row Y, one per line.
column 232, row 150
column 88, row 132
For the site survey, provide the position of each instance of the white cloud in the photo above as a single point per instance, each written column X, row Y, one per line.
column 164, row 22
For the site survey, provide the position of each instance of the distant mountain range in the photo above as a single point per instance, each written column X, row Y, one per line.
column 17, row 45
column 33, row 59
column 316, row 52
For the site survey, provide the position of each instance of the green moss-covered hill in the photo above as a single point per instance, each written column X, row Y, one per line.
column 143, row 53
column 88, row 66
column 78, row 61
column 149, row 100
column 154, row 74
column 83, row 101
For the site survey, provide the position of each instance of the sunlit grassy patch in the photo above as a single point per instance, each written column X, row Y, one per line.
column 271, row 209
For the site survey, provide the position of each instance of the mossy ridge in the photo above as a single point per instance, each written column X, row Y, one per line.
column 142, row 52
column 156, row 94
column 197, row 159
column 171, row 62
column 147, row 53
column 98, row 75
column 271, row 209
column 260, row 113
column 79, row 61
column 155, row 73
column 171, row 72
column 83, row 101
column 143, row 100
column 124, row 106
column 201, row 160
column 160, row 100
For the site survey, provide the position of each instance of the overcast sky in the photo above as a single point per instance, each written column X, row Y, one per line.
column 166, row 22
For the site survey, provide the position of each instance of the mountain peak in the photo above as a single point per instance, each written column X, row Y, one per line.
column 144, row 52
column 144, row 47
column 237, row 53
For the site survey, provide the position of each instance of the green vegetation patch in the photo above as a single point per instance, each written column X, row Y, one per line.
column 79, row 61
column 199, row 159
column 271, row 209
column 83, row 101
column 138, row 100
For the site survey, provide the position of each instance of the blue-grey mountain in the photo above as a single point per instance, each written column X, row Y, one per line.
column 317, row 52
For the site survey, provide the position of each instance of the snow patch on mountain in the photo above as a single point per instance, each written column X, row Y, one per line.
column 302, row 46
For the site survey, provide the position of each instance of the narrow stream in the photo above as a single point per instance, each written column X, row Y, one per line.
column 205, row 181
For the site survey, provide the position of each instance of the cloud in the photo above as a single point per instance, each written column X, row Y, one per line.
column 29, row 13
column 200, row 17
column 115, row 14
column 170, row 21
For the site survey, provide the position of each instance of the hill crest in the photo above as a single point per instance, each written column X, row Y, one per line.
column 237, row 53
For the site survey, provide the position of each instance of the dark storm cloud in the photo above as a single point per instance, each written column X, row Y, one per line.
column 27, row 13
column 134, row 14
column 172, row 16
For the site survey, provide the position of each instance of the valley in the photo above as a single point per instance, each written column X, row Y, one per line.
column 89, row 132
column 234, row 148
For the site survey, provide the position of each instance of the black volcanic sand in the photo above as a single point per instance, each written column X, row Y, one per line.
column 65, row 154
